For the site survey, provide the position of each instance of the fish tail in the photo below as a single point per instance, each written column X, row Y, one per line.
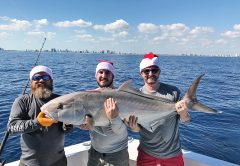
column 191, row 97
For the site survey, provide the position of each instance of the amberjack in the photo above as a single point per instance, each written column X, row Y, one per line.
column 72, row 108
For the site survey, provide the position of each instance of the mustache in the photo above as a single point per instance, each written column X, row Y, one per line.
column 153, row 76
column 42, row 91
column 103, row 79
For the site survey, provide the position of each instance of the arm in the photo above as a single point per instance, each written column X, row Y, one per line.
column 182, row 110
column 19, row 121
column 112, row 114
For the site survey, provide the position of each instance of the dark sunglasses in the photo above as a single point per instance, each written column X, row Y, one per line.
column 147, row 71
column 43, row 77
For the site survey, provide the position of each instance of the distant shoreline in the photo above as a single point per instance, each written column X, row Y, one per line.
column 114, row 53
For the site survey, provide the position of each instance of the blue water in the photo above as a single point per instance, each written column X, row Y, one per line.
column 213, row 135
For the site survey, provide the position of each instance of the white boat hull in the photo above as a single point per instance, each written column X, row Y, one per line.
column 78, row 153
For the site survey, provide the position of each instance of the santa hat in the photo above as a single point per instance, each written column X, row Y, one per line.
column 148, row 60
column 106, row 65
column 38, row 69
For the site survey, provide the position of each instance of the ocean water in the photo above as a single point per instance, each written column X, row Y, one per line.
column 213, row 135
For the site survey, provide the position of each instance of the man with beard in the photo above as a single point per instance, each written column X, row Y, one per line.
column 108, row 144
column 162, row 147
column 42, row 139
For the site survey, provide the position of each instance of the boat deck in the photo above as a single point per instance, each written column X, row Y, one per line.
column 79, row 153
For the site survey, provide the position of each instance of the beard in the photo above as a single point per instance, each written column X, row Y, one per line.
column 106, row 84
column 42, row 92
column 152, row 80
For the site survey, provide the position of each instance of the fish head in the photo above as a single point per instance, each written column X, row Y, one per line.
column 68, row 109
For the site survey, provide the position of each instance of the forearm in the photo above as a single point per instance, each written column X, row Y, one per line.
column 17, row 126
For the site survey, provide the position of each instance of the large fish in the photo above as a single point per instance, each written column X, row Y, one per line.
column 72, row 108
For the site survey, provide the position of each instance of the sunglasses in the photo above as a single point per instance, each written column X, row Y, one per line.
column 147, row 71
column 43, row 77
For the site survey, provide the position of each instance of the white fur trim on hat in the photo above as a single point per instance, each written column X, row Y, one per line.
column 38, row 69
column 149, row 60
column 107, row 66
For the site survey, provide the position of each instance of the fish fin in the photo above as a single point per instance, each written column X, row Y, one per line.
column 99, row 130
column 148, row 127
column 191, row 98
column 126, row 87
column 203, row 108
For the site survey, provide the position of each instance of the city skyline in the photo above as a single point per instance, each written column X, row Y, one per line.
column 167, row 27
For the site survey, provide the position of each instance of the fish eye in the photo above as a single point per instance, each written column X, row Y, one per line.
column 60, row 106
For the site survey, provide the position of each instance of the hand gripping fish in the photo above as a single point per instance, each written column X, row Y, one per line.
column 72, row 108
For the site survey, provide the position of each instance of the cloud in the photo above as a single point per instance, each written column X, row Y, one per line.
column 118, row 25
column 231, row 34
column 236, row 27
column 122, row 34
column 14, row 24
column 221, row 41
column 4, row 35
column 147, row 28
column 48, row 35
column 174, row 30
column 76, row 23
column 201, row 30
column 41, row 22
column 85, row 37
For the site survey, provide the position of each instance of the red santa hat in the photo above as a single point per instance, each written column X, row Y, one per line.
column 148, row 60
column 106, row 65
column 38, row 69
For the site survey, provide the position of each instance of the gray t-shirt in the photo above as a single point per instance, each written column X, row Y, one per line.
column 40, row 146
column 111, row 138
column 164, row 142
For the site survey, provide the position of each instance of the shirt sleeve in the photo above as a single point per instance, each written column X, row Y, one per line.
column 19, row 121
column 118, row 126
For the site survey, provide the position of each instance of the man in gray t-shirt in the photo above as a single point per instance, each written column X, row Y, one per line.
column 42, row 139
column 161, row 147
column 108, row 143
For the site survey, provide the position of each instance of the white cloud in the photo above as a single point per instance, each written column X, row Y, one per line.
column 118, row 25
column 236, row 27
column 76, row 23
column 85, row 37
column 4, row 35
column 201, row 30
column 231, row 34
column 121, row 34
column 41, row 22
column 174, row 30
column 80, row 31
column 147, row 28
column 174, row 27
column 48, row 35
column 106, row 39
column 14, row 24
column 221, row 41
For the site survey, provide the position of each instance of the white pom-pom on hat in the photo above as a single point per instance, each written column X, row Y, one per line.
column 148, row 60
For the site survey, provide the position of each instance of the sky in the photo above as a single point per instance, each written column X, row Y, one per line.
column 206, row 27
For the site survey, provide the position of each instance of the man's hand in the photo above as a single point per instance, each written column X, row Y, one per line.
column 111, row 108
column 182, row 110
column 45, row 121
column 132, row 123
